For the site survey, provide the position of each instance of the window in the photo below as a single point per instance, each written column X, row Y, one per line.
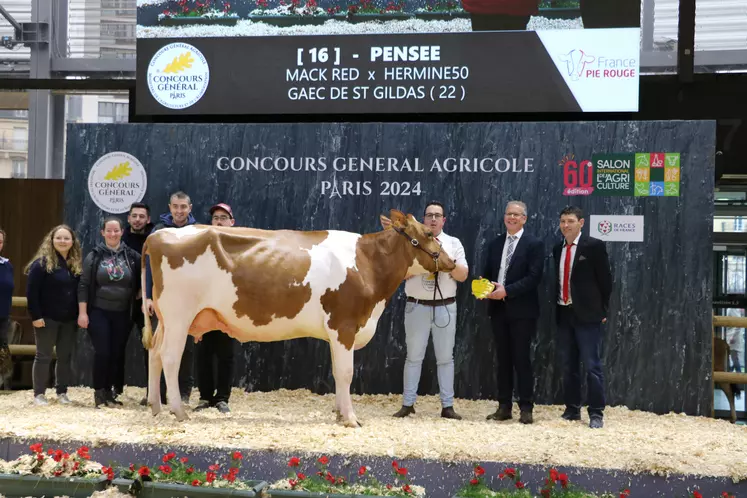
column 113, row 112
column 19, row 168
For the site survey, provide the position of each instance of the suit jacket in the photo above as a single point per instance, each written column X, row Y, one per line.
column 522, row 278
column 591, row 279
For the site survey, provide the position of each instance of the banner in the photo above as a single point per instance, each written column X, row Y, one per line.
column 270, row 57
column 343, row 176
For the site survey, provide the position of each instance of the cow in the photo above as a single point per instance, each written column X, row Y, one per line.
column 275, row 285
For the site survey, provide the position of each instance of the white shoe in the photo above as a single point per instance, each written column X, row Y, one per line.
column 63, row 399
column 40, row 400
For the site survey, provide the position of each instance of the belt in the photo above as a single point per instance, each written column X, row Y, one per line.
column 431, row 302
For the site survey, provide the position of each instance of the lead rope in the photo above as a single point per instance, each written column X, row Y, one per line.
column 437, row 288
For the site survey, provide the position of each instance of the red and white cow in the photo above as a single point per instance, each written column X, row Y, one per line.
column 263, row 285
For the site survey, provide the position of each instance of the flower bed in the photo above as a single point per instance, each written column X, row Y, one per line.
column 323, row 482
column 556, row 484
column 205, row 12
column 53, row 473
column 441, row 10
column 177, row 477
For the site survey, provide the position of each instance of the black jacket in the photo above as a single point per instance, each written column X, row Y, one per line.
column 135, row 241
column 591, row 279
column 52, row 295
column 523, row 277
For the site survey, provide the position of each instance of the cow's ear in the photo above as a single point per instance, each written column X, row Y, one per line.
column 398, row 218
column 386, row 223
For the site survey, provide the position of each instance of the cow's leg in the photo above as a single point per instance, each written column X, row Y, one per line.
column 154, row 372
column 336, row 411
column 174, row 340
column 342, row 369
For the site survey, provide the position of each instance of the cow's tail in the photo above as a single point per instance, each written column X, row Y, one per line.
column 147, row 329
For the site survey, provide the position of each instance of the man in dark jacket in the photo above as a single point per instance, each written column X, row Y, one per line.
column 515, row 264
column 179, row 215
column 583, row 285
column 138, row 229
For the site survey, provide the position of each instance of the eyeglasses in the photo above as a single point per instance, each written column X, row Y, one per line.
column 514, row 215
column 435, row 216
column 221, row 218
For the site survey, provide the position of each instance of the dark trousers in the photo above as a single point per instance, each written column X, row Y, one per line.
column 108, row 331
column 580, row 341
column 4, row 328
column 498, row 22
column 138, row 322
column 513, row 340
column 59, row 336
column 215, row 350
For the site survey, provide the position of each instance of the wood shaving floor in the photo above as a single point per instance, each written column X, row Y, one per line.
column 298, row 420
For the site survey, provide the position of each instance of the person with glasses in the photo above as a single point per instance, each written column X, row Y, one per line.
column 215, row 352
column 515, row 264
column 431, row 308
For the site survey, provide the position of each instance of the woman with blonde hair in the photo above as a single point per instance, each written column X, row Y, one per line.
column 51, row 290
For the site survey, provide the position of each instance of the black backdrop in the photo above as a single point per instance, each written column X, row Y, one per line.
column 658, row 340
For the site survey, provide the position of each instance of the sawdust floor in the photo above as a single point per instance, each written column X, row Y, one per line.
column 290, row 421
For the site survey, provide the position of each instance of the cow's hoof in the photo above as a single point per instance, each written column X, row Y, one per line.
column 155, row 410
column 353, row 424
column 181, row 415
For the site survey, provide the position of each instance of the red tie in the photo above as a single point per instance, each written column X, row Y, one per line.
column 567, row 273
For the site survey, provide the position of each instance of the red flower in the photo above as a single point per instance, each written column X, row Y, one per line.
column 36, row 448
column 394, row 465
column 510, row 472
column 301, row 477
column 545, row 493
column 184, row 459
column 230, row 477
column 165, row 469
column 553, row 475
column 696, row 494
column 210, row 477
column 168, row 456
column 406, row 488
column 190, row 470
column 329, row 477
column 625, row 493
column 108, row 471
column 214, row 467
column 57, row 473
column 76, row 465
column 474, row 482
column 323, row 460
column 50, row 451
column 234, row 471
column 402, row 471
column 479, row 471
column 388, row 486
column 196, row 482
column 340, row 480
column 293, row 483
column 144, row 471
column 563, row 478
column 57, row 455
column 237, row 455
column 501, row 475
column 519, row 484
column 362, row 471
column 294, row 462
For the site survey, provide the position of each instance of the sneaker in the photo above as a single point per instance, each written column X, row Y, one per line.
column 203, row 404
column 40, row 400
column 222, row 407
column 63, row 399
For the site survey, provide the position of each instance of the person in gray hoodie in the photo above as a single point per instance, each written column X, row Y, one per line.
column 108, row 288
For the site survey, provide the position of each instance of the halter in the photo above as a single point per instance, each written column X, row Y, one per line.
column 435, row 255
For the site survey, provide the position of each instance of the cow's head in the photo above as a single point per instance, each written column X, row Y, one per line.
column 427, row 254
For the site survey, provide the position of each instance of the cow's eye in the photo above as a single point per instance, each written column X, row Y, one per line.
column 430, row 235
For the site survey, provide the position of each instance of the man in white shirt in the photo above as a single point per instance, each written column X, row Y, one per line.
column 431, row 307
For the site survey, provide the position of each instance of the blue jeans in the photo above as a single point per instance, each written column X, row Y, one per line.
column 578, row 341
column 419, row 323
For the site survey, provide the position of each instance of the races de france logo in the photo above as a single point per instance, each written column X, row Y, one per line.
column 117, row 180
column 604, row 227
column 178, row 75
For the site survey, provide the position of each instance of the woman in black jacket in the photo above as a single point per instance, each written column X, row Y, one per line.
column 106, row 294
column 53, row 276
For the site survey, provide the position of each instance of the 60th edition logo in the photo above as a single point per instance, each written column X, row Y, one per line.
column 638, row 174
column 178, row 75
